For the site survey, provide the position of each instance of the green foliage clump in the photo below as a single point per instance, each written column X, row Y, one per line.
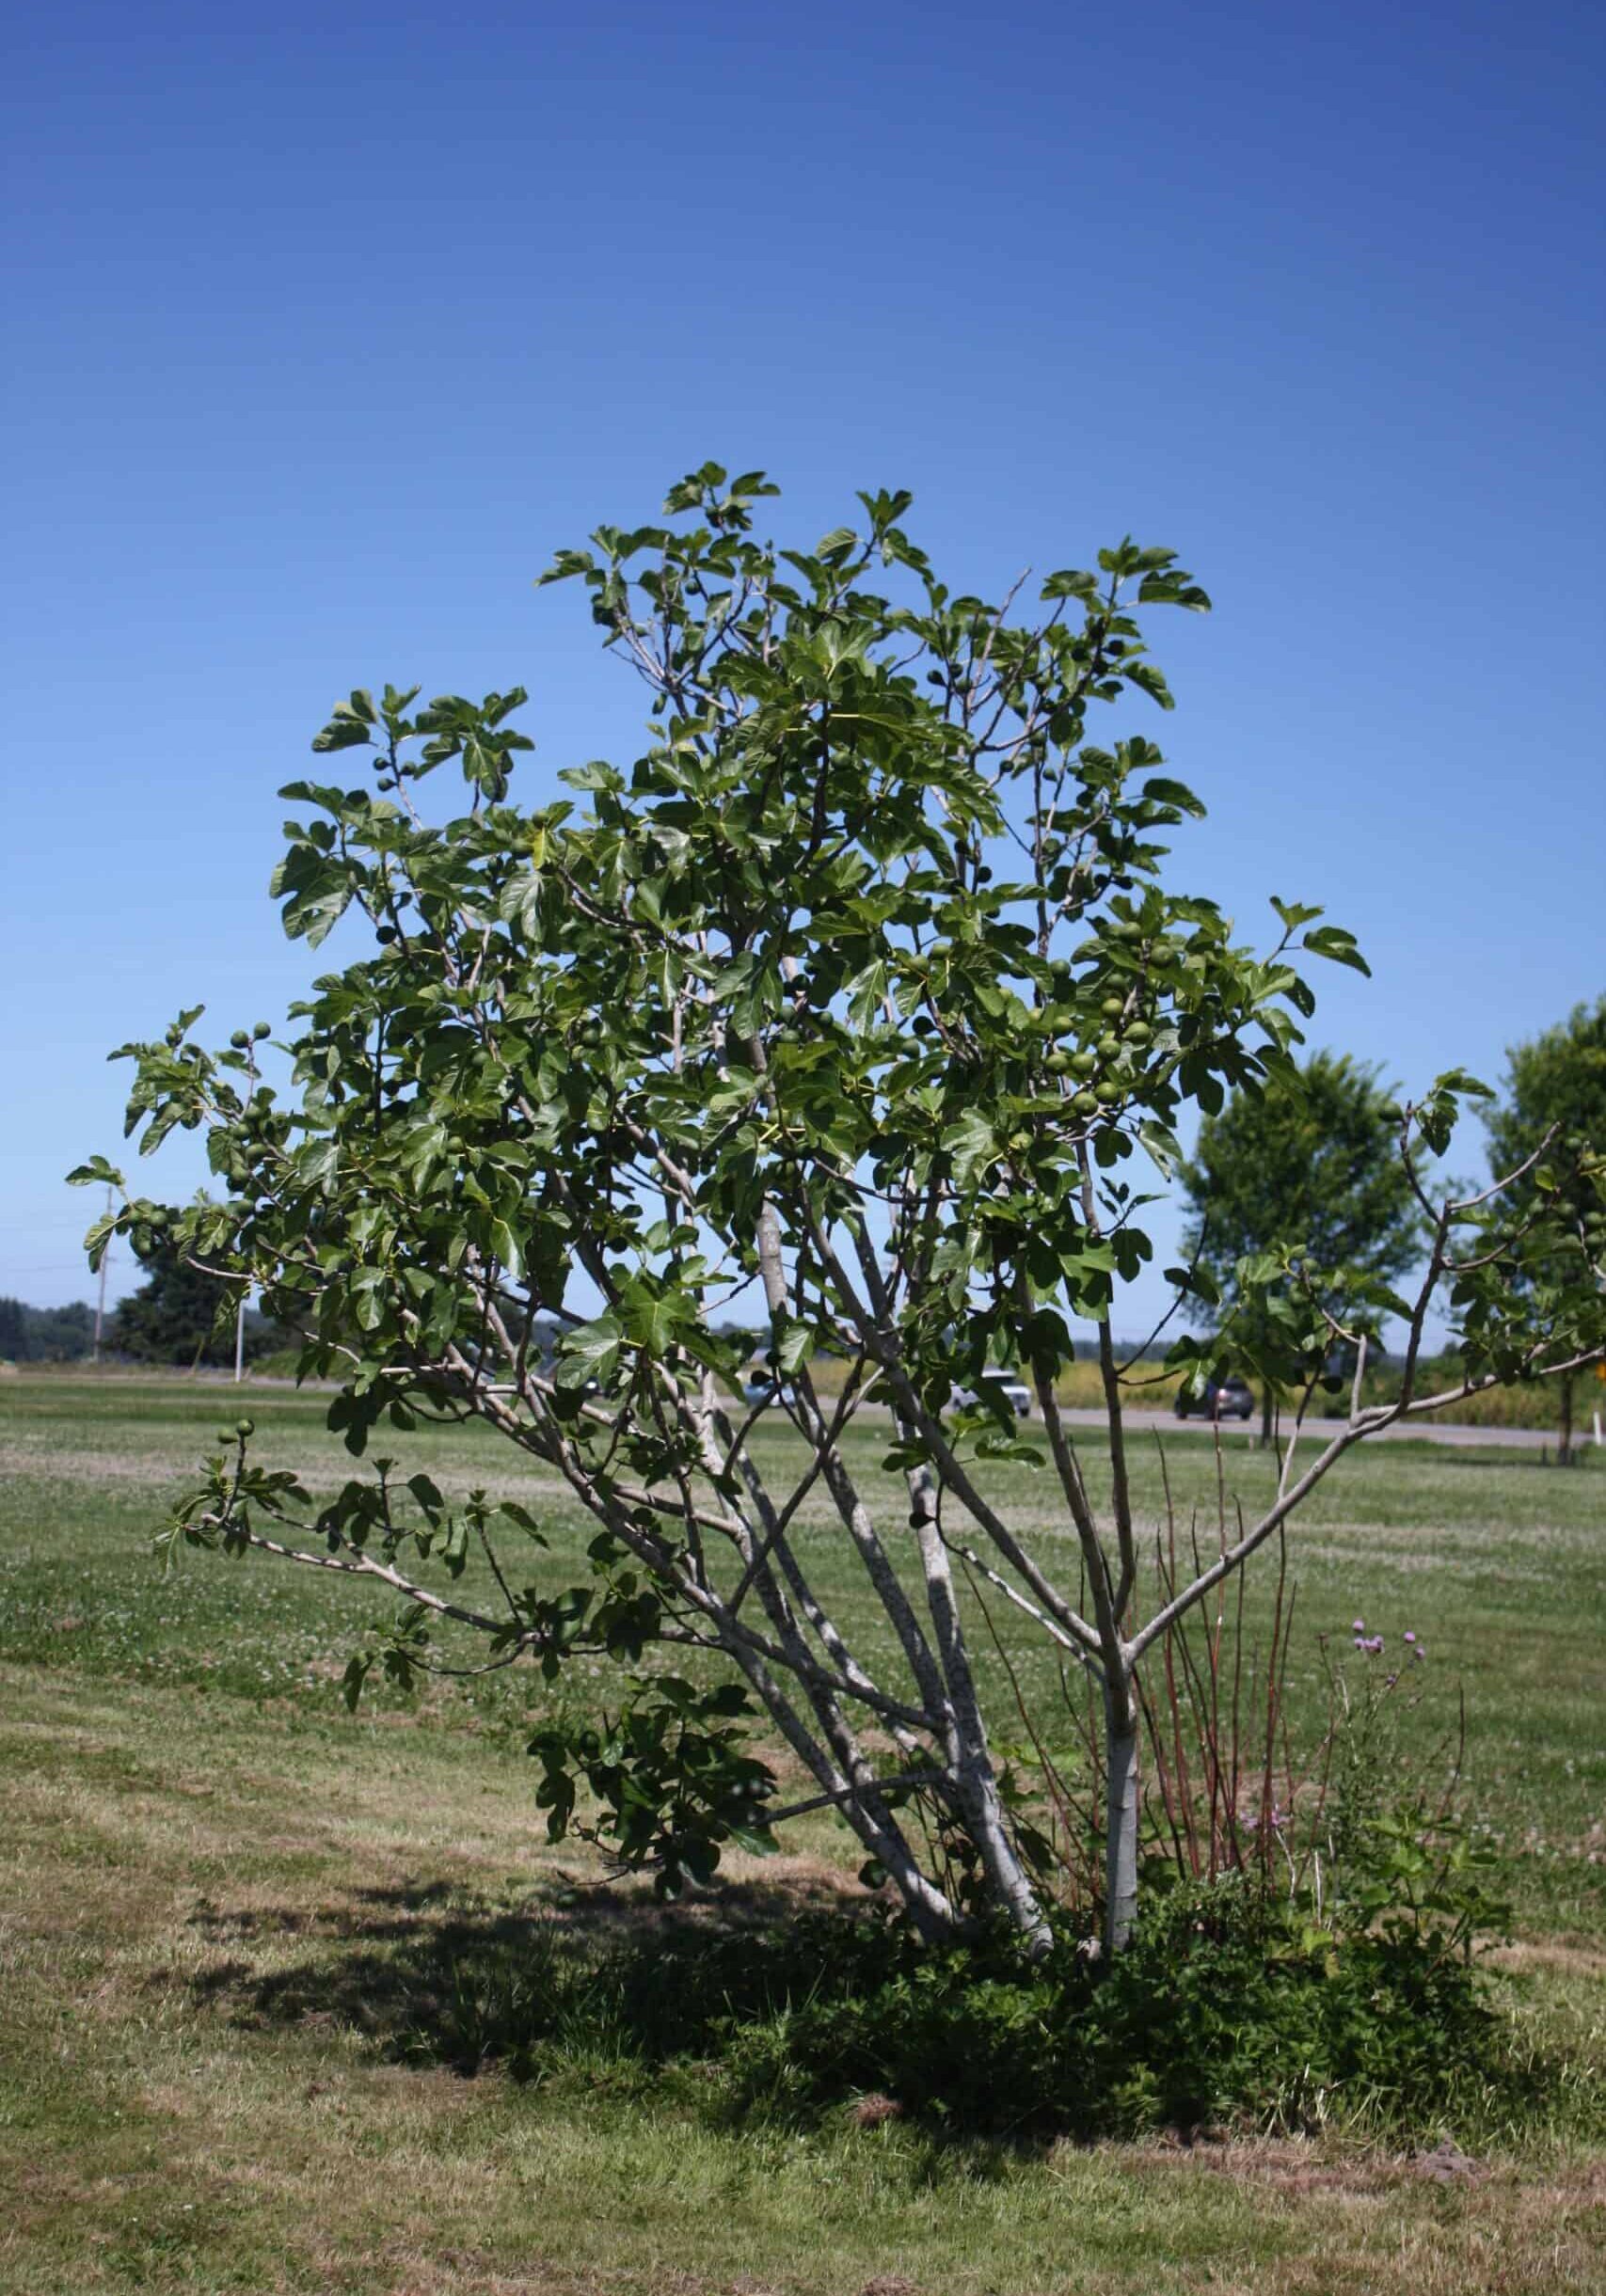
column 1230, row 2003
column 1222, row 2006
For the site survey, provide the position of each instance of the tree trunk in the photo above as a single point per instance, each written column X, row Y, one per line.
column 1564, row 1439
column 1120, row 1815
column 969, row 1763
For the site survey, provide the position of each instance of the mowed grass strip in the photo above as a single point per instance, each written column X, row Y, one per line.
column 220, row 1890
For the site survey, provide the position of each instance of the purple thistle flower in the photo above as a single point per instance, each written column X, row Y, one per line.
column 1410, row 1637
column 1361, row 1626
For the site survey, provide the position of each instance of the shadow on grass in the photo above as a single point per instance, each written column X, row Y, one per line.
column 598, row 1992
column 431, row 1975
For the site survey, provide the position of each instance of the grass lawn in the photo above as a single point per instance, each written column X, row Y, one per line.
column 224, row 1898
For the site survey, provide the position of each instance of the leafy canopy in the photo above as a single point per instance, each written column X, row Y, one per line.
column 870, row 922
column 1549, row 1133
column 1555, row 1094
column 1309, row 1172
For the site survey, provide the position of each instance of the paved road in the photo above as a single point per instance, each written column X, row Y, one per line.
column 1234, row 1432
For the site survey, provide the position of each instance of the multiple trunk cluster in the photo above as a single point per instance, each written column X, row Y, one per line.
column 856, row 996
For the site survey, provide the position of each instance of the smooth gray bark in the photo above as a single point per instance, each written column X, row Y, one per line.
column 1120, row 1815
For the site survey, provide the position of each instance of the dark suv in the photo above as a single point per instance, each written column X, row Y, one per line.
column 1220, row 1399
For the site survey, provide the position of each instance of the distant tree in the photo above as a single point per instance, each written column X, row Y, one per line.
column 181, row 1315
column 46, row 1335
column 1313, row 1165
column 1555, row 1104
column 173, row 1317
column 61, row 1335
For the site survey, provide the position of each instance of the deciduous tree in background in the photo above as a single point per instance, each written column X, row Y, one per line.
column 46, row 1335
column 856, row 1005
column 1555, row 1098
column 182, row 1315
column 178, row 1315
column 1311, row 1170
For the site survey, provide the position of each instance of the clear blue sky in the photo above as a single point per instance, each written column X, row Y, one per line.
column 326, row 325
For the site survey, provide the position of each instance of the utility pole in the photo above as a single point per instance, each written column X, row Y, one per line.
column 240, row 1340
column 100, row 1303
